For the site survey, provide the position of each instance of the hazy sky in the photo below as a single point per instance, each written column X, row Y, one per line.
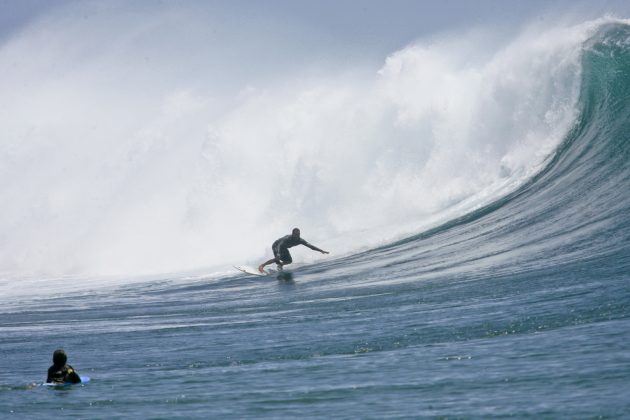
column 381, row 25
column 280, row 36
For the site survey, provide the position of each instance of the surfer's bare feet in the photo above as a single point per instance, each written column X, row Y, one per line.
column 261, row 268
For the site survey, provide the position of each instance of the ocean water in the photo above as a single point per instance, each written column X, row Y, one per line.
column 517, row 307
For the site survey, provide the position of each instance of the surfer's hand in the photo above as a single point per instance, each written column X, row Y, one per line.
column 325, row 252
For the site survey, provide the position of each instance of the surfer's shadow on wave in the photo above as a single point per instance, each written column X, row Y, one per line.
column 285, row 278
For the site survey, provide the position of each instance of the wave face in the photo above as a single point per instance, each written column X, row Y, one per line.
column 574, row 213
column 519, row 308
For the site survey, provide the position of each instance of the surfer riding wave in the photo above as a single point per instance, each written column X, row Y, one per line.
column 280, row 248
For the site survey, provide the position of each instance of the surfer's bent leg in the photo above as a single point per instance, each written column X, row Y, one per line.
column 283, row 258
column 276, row 259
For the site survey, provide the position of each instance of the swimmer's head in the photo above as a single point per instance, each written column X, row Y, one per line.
column 59, row 357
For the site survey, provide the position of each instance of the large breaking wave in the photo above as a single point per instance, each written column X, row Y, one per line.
column 114, row 167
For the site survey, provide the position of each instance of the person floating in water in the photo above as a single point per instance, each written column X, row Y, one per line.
column 60, row 372
column 280, row 248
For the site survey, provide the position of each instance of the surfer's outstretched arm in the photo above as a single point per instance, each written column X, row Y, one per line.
column 314, row 248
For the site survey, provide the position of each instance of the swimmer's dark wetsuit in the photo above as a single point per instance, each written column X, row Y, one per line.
column 62, row 375
column 281, row 247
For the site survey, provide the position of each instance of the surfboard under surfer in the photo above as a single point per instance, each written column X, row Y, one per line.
column 280, row 248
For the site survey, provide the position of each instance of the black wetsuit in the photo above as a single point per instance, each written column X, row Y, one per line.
column 62, row 374
column 281, row 247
